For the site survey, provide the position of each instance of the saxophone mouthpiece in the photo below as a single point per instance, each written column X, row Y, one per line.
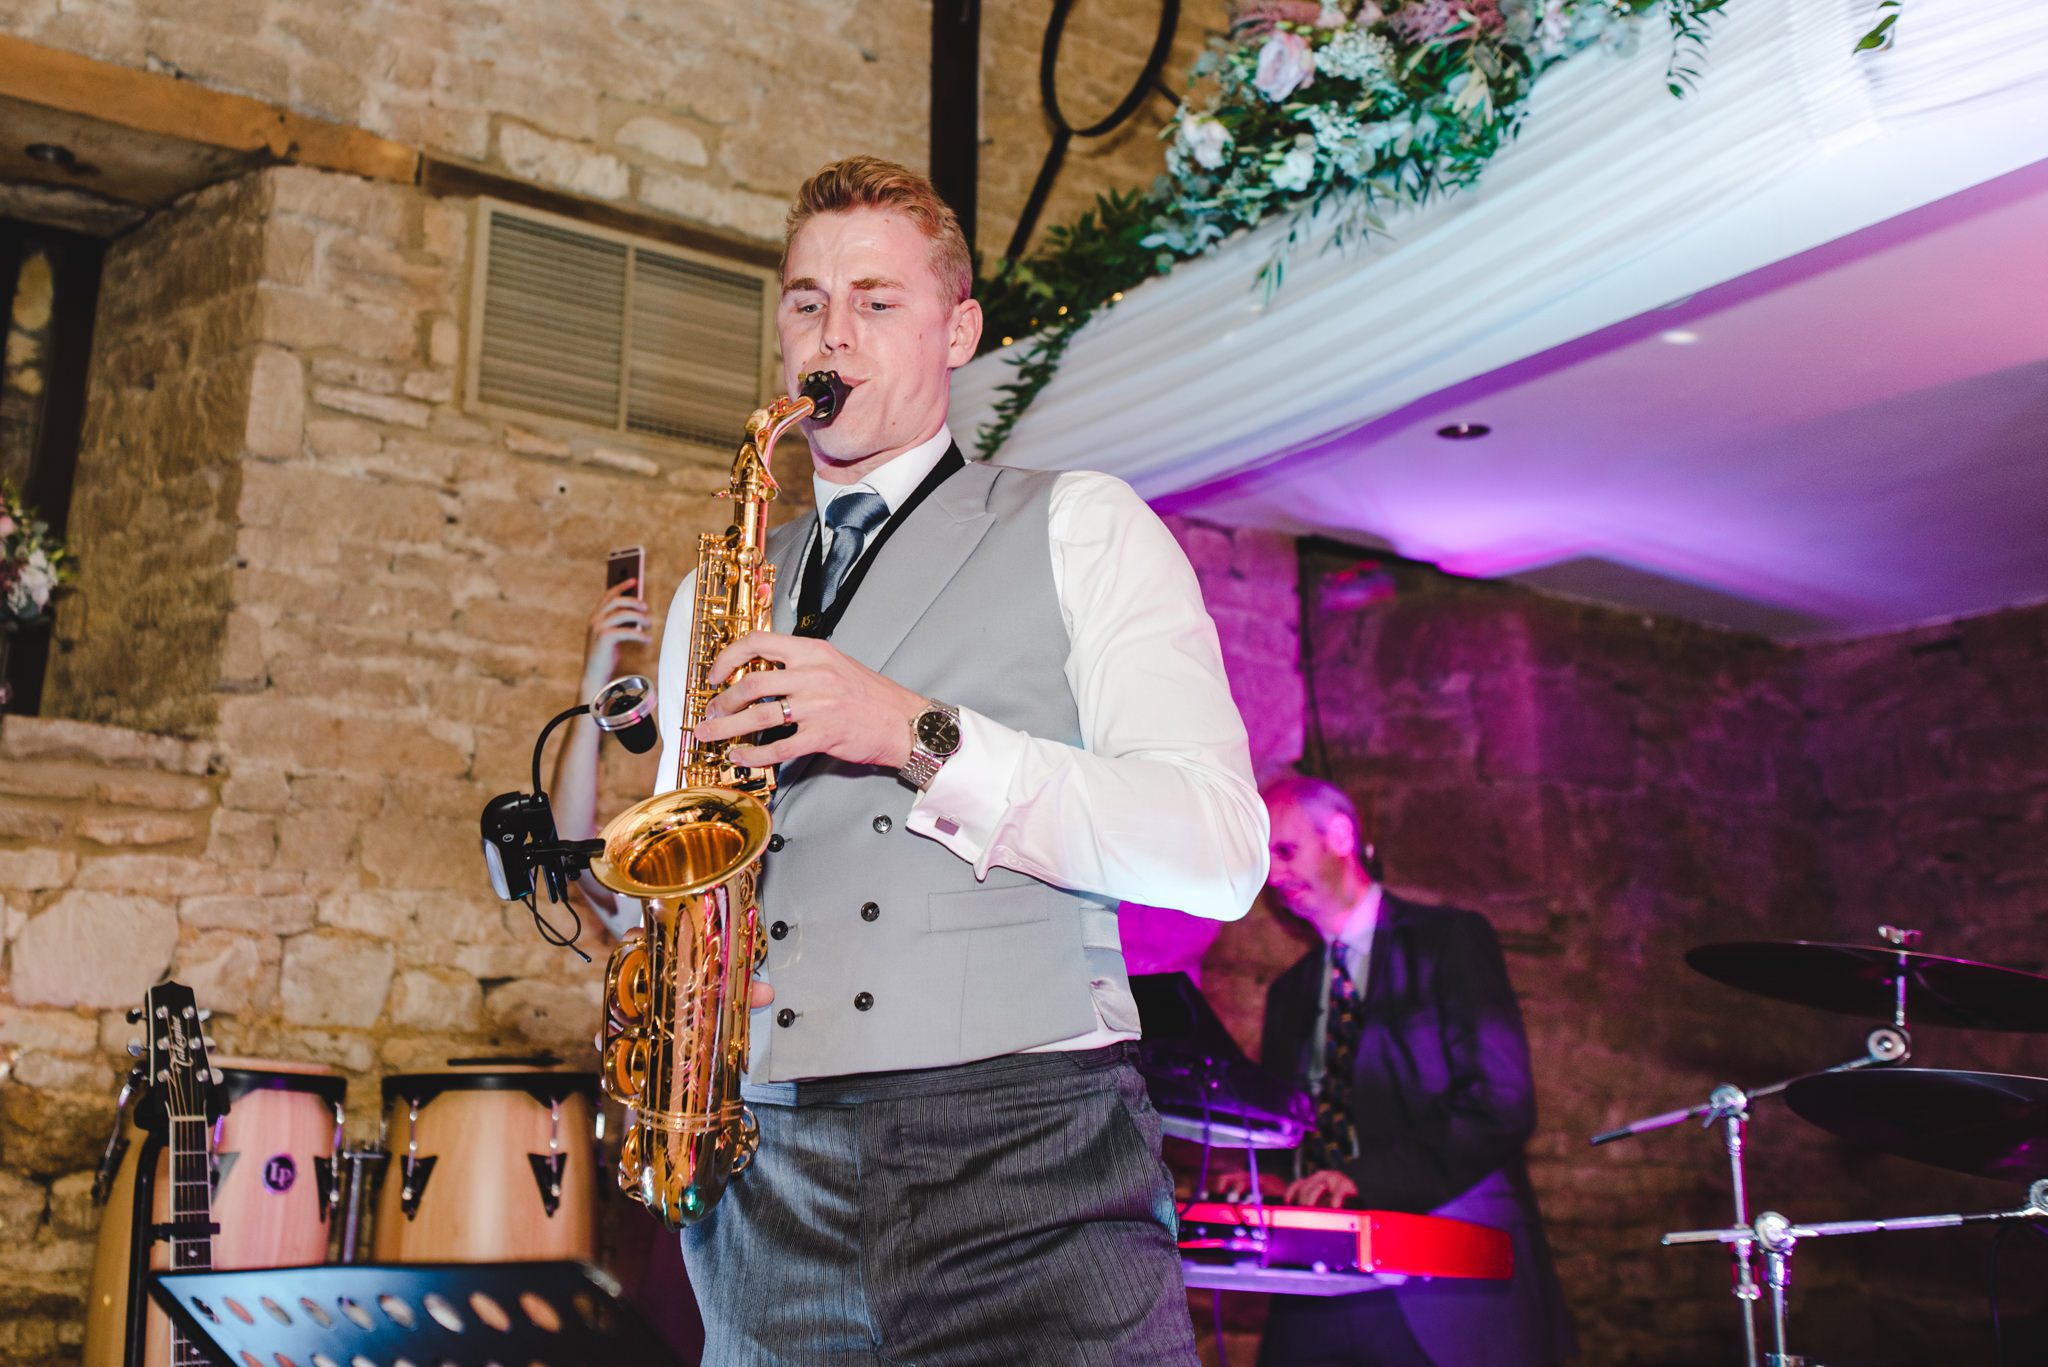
column 826, row 391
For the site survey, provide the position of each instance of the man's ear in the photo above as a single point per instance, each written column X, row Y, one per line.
column 963, row 333
column 1340, row 835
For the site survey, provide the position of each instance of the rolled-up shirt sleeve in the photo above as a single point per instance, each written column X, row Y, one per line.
column 1158, row 805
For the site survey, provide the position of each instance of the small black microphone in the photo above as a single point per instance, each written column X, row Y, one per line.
column 625, row 708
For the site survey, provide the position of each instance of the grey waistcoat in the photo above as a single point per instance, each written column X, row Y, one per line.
column 891, row 954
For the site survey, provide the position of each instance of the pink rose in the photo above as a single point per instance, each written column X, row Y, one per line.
column 1249, row 18
column 6, row 525
column 1419, row 21
column 1285, row 66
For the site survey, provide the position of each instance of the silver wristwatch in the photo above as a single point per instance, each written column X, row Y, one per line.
column 934, row 739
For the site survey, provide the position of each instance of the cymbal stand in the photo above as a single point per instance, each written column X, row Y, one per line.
column 1905, row 939
column 1778, row 1236
column 1729, row 1105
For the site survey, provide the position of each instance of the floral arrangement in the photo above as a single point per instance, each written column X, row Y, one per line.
column 1327, row 111
column 32, row 563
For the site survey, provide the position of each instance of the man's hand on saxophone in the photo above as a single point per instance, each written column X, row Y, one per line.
column 838, row 705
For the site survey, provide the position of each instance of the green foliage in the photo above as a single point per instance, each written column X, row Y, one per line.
column 1881, row 36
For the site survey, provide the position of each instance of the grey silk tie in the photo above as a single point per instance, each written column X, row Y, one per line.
column 851, row 517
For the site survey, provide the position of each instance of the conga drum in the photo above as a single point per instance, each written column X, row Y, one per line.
column 274, row 1186
column 273, row 1189
column 490, row 1162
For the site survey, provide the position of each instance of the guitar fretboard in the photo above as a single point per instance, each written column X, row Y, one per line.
column 191, row 1207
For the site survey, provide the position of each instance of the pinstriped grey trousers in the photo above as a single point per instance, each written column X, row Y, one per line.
column 1012, row 1213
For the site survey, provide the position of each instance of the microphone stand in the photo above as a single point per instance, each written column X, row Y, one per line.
column 1779, row 1236
column 1729, row 1105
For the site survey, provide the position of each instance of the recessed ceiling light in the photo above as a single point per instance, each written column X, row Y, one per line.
column 1680, row 336
column 1463, row 431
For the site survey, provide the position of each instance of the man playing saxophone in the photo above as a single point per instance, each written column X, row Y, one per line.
column 999, row 711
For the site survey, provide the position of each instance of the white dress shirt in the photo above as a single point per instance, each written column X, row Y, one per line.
column 1159, row 805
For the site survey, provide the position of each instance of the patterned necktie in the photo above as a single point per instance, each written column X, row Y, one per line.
column 851, row 517
column 1334, row 1140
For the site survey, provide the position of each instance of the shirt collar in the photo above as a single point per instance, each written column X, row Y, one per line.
column 895, row 480
column 1365, row 918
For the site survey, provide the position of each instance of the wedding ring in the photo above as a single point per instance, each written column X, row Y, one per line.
column 787, row 719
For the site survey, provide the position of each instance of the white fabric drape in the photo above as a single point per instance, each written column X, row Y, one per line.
column 1615, row 199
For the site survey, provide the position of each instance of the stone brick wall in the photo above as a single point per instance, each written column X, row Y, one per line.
column 711, row 113
column 158, row 475
column 1612, row 791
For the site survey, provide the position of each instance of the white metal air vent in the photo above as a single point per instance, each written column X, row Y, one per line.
column 584, row 325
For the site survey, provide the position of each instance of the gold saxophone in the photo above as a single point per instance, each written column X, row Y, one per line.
column 674, row 1043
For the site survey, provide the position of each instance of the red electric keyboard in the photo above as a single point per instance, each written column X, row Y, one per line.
column 1317, row 1251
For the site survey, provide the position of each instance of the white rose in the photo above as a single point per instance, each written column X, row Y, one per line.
column 35, row 584
column 1207, row 141
column 1295, row 170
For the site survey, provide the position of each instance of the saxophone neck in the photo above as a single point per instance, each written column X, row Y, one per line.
column 818, row 396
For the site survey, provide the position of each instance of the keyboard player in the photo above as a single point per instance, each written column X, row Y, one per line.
column 1404, row 1028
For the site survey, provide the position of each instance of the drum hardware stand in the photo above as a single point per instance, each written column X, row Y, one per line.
column 1729, row 1105
column 327, row 1172
column 413, row 1170
column 365, row 1169
column 1778, row 1236
column 547, row 1167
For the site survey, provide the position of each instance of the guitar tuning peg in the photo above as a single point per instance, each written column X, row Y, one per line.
column 217, row 1077
column 205, row 1015
column 134, row 1014
column 135, row 1048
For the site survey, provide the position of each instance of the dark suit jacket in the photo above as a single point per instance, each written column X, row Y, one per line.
column 1443, row 1100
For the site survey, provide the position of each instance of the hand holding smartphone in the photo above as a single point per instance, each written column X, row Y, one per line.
column 621, row 617
column 627, row 562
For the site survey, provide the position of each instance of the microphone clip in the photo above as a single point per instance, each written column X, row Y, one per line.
column 518, row 829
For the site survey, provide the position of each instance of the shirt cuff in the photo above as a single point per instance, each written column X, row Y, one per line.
column 964, row 806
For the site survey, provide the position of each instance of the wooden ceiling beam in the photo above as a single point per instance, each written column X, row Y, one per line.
column 164, row 105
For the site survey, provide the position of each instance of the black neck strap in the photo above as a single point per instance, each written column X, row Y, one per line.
column 820, row 623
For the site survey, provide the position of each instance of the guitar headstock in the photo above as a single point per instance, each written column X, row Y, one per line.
column 181, row 1079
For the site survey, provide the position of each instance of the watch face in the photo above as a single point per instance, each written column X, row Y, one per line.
column 938, row 732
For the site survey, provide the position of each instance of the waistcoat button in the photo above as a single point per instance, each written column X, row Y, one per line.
column 882, row 825
column 869, row 911
column 785, row 1017
column 863, row 1001
column 779, row 930
column 775, row 842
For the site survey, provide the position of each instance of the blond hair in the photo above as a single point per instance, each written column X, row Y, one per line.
column 872, row 183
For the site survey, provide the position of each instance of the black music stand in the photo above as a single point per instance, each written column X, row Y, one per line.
column 1203, row 1086
column 560, row 1314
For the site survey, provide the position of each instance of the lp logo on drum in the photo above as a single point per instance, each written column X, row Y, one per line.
column 280, row 1172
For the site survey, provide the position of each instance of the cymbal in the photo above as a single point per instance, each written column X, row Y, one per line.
column 1987, row 1124
column 1858, row 980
